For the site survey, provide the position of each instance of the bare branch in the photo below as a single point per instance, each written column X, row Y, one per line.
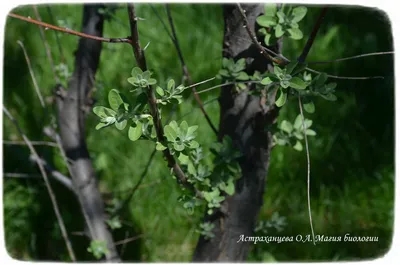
column 28, row 61
column 351, row 57
column 72, row 32
column 20, row 175
column 55, row 34
column 127, row 240
column 48, row 186
column 152, row 102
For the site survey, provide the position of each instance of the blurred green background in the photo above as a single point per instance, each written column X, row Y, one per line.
column 352, row 156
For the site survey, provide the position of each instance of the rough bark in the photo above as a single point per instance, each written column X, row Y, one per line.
column 244, row 118
column 71, row 107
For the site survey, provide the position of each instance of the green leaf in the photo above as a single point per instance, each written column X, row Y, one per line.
column 194, row 145
column 121, row 125
column 241, row 64
column 183, row 129
column 171, row 84
column 160, row 146
column 278, row 71
column 229, row 188
column 114, row 99
column 295, row 33
column 134, row 133
column 298, row 13
column 184, row 159
column 242, row 76
column 191, row 168
column 285, row 83
column 160, row 91
column 267, row 39
column 311, row 132
column 114, row 223
column 101, row 125
column 279, row 31
column 98, row 248
column 298, row 146
column 179, row 146
column 270, row 9
column 152, row 81
column 225, row 62
column 298, row 122
column 297, row 83
column 191, row 132
column 136, row 71
column 103, row 112
column 170, row 133
column 266, row 81
column 286, row 126
column 266, row 21
column 281, row 17
column 309, row 107
column 282, row 98
column 330, row 97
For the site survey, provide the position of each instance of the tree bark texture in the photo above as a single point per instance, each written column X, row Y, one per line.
column 244, row 118
column 71, row 107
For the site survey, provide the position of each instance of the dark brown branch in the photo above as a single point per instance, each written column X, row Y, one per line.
column 186, row 71
column 152, row 102
column 48, row 186
column 72, row 32
column 312, row 36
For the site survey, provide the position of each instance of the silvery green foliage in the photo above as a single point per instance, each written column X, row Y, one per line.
column 277, row 23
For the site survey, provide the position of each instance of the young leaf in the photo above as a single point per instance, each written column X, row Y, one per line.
column 298, row 13
column 286, row 126
column 242, row 76
column 266, row 81
column 282, row 98
column 298, row 146
column 267, row 39
column 160, row 146
column 103, row 112
column 309, row 107
column 184, row 159
column 281, row 17
column 191, row 132
column 171, row 84
column 278, row 71
column 160, row 91
column 295, row 33
column 194, row 145
column 121, row 125
column 134, row 133
column 101, row 125
column 136, row 71
column 114, row 99
column 298, row 122
column 279, row 31
column 297, row 83
column 266, row 21
column 311, row 132
column 170, row 133
column 179, row 146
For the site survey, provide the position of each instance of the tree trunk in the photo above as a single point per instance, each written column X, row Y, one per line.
column 71, row 107
column 244, row 118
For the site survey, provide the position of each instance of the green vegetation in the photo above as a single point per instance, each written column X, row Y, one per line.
column 352, row 155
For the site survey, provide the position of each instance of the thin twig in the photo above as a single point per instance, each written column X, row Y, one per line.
column 28, row 62
column 301, row 60
column 186, row 71
column 227, row 84
column 72, row 32
column 48, row 186
column 128, row 240
column 347, row 77
column 152, row 102
column 21, row 175
column 162, row 22
column 308, row 170
column 254, row 39
column 46, row 45
column 351, row 57
column 6, row 142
